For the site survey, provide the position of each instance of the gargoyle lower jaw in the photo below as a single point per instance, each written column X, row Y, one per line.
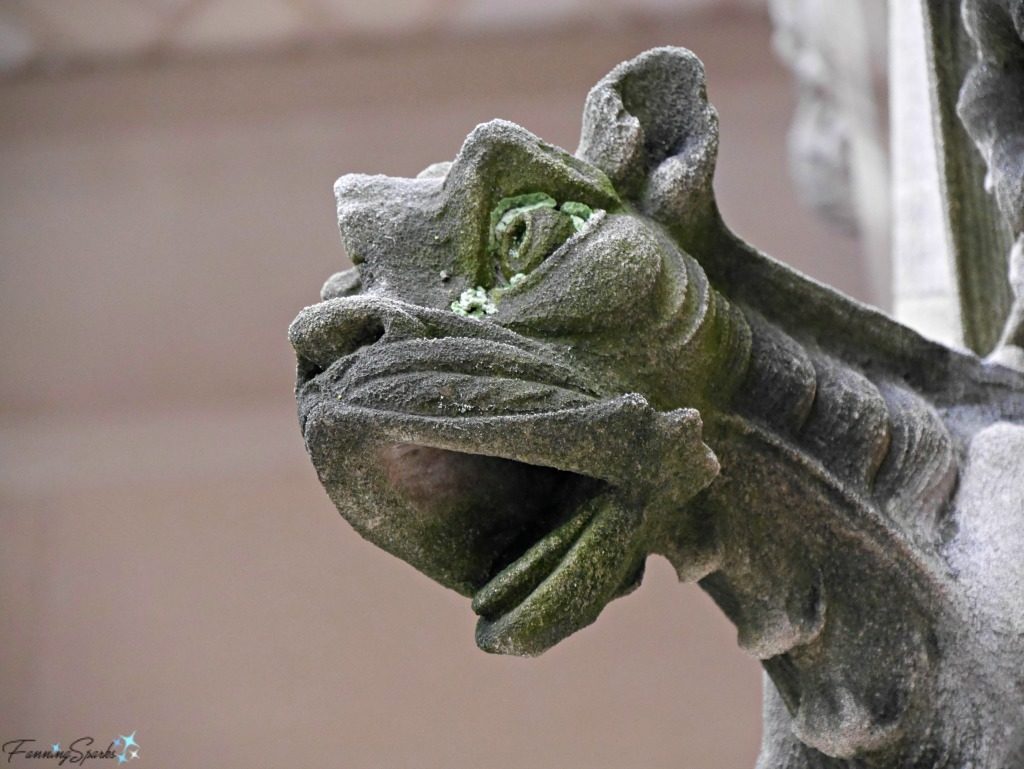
column 539, row 547
column 565, row 580
column 537, row 572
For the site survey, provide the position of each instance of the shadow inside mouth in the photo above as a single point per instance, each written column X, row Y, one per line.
column 573, row 491
column 501, row 508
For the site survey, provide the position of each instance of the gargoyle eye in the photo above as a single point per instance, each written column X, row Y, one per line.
column 526, row 229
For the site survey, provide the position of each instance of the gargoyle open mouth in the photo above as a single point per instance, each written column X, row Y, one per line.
column 481, row 458
column 537, row 548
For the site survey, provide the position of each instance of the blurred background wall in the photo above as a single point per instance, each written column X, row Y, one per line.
column 168, row 561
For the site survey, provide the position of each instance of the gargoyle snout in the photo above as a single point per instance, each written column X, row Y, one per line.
column 326, row 332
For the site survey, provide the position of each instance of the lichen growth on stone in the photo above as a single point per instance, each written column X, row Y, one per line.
column 579, row 212
column 526, row 229
column 479, row 302
column 474, row 303
column 507, row 208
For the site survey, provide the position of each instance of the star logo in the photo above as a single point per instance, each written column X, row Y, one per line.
column 126, row 743
column 56, row 747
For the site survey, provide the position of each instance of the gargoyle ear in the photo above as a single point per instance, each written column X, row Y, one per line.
column 649, row 127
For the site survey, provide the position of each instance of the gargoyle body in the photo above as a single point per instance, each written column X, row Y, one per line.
column 545, row 367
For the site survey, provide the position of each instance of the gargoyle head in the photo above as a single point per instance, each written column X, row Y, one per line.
column 504, row 391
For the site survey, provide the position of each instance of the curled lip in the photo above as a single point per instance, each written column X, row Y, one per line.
column 388, row 355
column 483, row 376
column 509, row 586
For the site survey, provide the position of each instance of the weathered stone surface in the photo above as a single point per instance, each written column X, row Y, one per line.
column 991, row 106
column 545, row 367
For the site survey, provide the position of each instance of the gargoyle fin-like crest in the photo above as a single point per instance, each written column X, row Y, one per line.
column 648, row 125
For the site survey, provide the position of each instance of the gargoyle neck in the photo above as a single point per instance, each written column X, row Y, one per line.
column 827, row 517
column 872, row 439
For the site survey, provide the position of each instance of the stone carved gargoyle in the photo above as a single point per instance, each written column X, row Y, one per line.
column 545, row 367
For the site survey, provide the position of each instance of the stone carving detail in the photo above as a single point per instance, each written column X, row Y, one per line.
column 992, row 109
column 545, row 367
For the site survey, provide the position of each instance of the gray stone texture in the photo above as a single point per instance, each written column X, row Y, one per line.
column 631, row 378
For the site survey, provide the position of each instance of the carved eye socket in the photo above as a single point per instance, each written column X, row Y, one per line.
column 527, row 229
